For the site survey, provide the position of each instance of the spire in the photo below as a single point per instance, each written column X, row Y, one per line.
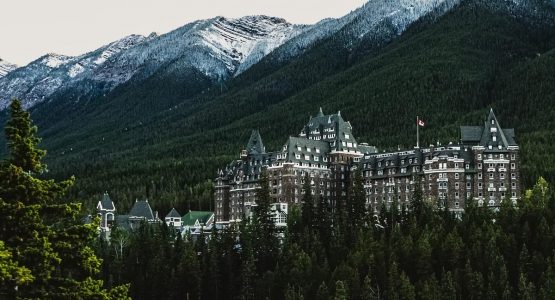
column 320, row 113
column 492, row 134
column 255, row 145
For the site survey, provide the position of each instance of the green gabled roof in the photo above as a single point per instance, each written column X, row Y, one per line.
column 192, row 216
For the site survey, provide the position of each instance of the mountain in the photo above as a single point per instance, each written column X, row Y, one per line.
column 218, row 48
column 164, row 136
column 38, row 80
column 6, row 67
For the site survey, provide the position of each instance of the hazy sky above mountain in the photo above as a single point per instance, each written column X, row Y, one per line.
column 30, row 28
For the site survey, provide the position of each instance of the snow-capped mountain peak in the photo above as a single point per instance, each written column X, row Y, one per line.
column 54, row 60
column 41, row 78
column 120, row 45
column 6, row 67
column 241, row 42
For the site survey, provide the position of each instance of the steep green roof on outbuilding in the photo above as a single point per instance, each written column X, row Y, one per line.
column 191, row 217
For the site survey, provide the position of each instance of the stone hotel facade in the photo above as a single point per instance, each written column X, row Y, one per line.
column 483, row 166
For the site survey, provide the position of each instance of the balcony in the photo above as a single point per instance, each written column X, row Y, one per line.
column 491, row 189
column 502, row 169
column 491, row 169
column 502, row 189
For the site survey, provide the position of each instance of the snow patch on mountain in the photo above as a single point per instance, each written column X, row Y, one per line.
column 54, row 60
column 41, row 78
column 376, row 18
column 241, row 42
column 75, row 70
column 6, row 67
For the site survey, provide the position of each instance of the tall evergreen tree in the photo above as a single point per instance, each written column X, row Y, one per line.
column 41, row 228
column 357, row 202
column 264, row 236
column 307, row 212
column 340, row 291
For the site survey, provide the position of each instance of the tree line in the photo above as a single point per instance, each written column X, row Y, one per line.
column 345, row 252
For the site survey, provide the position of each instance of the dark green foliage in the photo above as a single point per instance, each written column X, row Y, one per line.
column 263, row 238
column 485, row 255
column 47, row 251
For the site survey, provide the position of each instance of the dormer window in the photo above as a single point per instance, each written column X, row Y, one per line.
column 346, row 135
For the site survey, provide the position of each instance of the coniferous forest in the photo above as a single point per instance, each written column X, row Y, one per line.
column 344, row 253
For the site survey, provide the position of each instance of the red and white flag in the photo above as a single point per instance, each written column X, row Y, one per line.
column 420, row 123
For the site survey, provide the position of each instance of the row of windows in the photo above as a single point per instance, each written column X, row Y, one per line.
column 495, row 156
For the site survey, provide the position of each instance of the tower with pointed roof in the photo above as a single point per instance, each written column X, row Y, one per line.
column 496, row 156
column 106, row 211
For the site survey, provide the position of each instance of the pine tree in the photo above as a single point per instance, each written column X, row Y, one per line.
column 417, row 201
column 340, row 291
column 307, row 212
column 368, row 291
column 248, row 275
column 41, row 228
column 323, row 293
column 323, row 222
column 357, row 203
column 448, row 287
column 264, row 238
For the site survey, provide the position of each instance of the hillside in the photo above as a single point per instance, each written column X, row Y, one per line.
column 449, row 69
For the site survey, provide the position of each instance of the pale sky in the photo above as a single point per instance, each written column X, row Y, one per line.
column 32, row 28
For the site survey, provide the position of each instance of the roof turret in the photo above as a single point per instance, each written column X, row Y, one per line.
column 255, row 145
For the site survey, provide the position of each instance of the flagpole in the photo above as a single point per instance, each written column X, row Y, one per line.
column 417, row 134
